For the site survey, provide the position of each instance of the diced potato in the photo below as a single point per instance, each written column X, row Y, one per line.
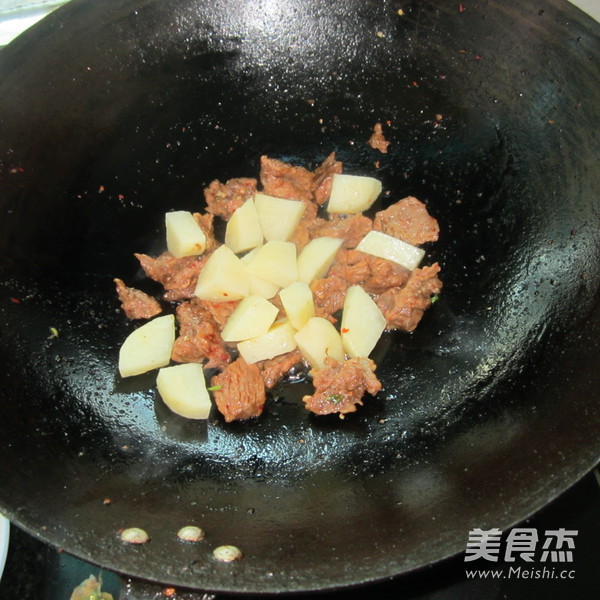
column 262, row 287
column 316, row 257
column 362, row 323
column 278, row 217
column 184, row 236
column 148, row 347
column 276, row 262
column 391, row 248
column 243, row 230
column 259, row 286
column 278, row 340
column 318, row 340
column 183, row 390
column 298, row 303
column 352, row 193
column 252, row 317
column 223, row 277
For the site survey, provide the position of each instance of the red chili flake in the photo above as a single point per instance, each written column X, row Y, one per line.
column 388, row 123
column 225, row 294
column 461, row 8
column 101, row 189
column 415, row 84
column 121, row 197
column 15, row 301
column 477, row 57
column 376, row 163
column 345, row 330
column 17, row 170
column 106, row 501
column 168, row 592
column 442, row 76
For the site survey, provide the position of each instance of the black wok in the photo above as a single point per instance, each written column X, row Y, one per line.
column 113, row 112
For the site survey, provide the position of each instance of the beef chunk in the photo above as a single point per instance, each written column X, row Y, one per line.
column 242, row 391
column 340, row 386
column 328, row 294
column 323, row 178
column 177, row 275
column 205, row 222
column 384, row 274
column 375, row 274
column 306, row 230
column 350, row 229
column 219, row 311
column 404, row 307
column 273, row 369
column 377, row 140
column 222, row 199
column 135, row 303
column 285, row 181
column 408, row 220
column 199, row 337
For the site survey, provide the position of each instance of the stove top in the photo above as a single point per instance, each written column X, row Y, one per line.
column 35, row 571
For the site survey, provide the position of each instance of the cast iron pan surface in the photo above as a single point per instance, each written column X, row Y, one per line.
column 114, row 112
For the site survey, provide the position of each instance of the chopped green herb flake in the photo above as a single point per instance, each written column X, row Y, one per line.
column 335, row 398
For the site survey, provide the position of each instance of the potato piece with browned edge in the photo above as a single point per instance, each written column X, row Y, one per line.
column 252, row 317
column 362, row 323
column 278, row 340
column 298, row 303
column 243, row 230
column 183, row 389
column 276, row 262
column 318, row 340
column 316, row 257
column 148, row 347
column 391, row 248
column 278, row 217
column 184, row 236
column 223, row 277
column 352, row 194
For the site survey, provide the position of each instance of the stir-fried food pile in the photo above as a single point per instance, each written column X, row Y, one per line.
column 302, row 277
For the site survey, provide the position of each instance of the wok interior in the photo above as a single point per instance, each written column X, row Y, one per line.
column 195, row 91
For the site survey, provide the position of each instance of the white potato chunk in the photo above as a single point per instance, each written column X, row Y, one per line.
column 276, row 262
column 318, row 340
column 223, row 278
column 183, row 390
column 262, row 287
column 362, row 323
column 316, row 257
column 252, row 317
column 298, row 303
column 278, row 217
column 243, row 230
column 184, row 236
column 148, row 347
column 259, row 286
column 352, row 194
column 391, row 248
column 278, row 340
